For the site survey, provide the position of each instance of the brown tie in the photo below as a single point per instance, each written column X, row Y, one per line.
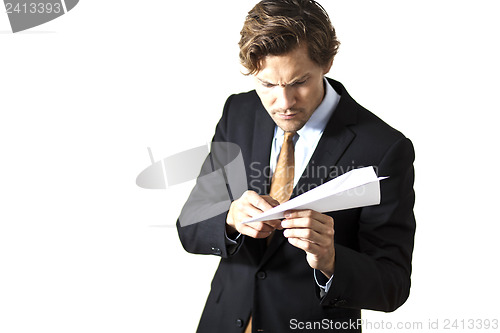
column 281, row 183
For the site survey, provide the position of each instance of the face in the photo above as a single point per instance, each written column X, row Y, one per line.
column 290, row 87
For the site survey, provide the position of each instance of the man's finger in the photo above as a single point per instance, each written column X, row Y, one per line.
column 261, row 231
column 305, row 234
column 276, row 224
column 260, row 226
column 256, row 200
column 293, row 214
column 251, row 210
column 303, row 222
column 305, row 245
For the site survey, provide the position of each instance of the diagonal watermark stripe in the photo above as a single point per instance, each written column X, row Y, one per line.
column 26, row 14
column 220, row 177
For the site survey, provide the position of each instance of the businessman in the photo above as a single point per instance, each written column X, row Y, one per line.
column 298, row 129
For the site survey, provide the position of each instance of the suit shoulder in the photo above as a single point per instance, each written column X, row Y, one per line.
column 360, row 120
column 251, row 94
column 375, row 127
column 241, row 114
column 373, row 134
column 243, row 100
column 243, row 107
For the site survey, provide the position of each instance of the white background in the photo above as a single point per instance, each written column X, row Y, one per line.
column 83, row 249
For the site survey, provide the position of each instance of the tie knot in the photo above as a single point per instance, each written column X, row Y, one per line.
column 289, row 136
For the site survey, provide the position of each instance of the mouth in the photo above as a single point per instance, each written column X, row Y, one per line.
column 286, row 116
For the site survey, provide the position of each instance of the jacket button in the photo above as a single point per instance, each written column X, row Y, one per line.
column 239, row 322
column 216, row 251
column 261, row 275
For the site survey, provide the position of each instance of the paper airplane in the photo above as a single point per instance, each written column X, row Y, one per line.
column 356, row 188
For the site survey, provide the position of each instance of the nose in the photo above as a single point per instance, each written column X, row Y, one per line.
column 285, row 98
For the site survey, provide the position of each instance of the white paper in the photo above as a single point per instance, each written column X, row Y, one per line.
column 356, row 188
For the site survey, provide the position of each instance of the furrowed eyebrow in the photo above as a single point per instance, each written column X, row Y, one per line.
column 266, row 83
column 302, row 78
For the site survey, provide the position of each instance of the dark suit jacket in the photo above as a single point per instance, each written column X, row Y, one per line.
column 373, row 244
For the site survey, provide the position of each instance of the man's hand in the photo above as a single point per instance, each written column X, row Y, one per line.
column 312, row 232
column 249, row 205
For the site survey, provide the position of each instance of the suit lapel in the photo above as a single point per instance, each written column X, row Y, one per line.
column 334, row 142
column 258, row 173
column 258, row 168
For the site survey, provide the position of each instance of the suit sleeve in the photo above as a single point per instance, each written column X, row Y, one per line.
column 377, row 277
column 208, row 236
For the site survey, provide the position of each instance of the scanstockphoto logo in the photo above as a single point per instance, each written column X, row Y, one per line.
column 26, row 14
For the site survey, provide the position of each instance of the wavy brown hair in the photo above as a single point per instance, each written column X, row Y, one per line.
column 276, row 27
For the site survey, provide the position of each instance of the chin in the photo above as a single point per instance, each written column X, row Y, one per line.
column 290, row 126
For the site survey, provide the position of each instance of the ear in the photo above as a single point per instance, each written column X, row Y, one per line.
column 328, row 66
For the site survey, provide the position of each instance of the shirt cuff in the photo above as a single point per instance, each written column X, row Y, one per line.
column 322, row 281
column 232, row 242
column 232, row 239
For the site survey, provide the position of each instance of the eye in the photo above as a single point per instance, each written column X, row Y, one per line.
column 267, row 85
column 299, row 83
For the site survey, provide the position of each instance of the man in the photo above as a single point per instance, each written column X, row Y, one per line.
column 309, row 271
